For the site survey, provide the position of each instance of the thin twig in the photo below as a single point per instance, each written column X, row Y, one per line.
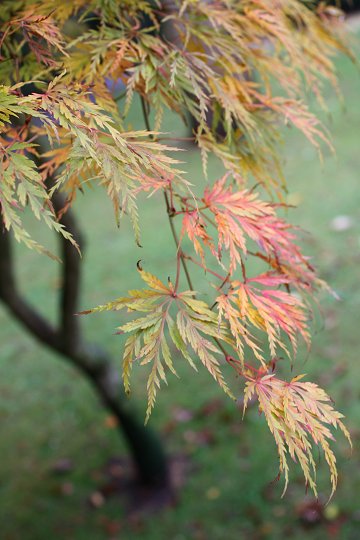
column 171, row 212
column 145, row 115
column 206, row 269
column 29, row 316
column 176, row 240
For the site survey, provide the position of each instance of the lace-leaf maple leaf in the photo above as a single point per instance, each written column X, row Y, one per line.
column 41, row 33
column 148, row 342
column 123, row 162
column 270, row 310
column 194, row 226
column 21, row 183
column 241, row 215
column 300, row 417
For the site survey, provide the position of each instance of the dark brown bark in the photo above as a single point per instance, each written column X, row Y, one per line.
column 146, row 449
column 71, row 278
column 29, row 317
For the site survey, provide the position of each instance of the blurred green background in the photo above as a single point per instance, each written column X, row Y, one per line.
column 58, row 447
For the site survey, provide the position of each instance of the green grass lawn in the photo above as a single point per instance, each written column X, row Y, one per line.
column 48, row 412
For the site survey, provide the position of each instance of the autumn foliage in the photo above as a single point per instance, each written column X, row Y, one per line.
column 240, row 68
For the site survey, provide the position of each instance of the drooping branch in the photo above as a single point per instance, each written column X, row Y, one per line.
column 19, row 307
column 30, row 317
column 71, row 278
column 92, row 361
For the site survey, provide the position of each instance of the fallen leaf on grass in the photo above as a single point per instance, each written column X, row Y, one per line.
column 111, row 526
column 96, row 499
column 205, row 437
column 62, row 466
column 67, row 489
column 213, row 493
column 211, row 407
column 341, row 223
column 181, row 415
column 311, row 513
column 111, row 422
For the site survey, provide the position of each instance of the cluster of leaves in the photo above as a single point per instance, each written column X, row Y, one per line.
column 191, row 326
column 239, row 68
column 89, row 147
column 299, row 415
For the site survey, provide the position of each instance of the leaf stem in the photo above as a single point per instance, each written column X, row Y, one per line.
column 171, row 213
column 177, row 272
column 146, row 115
column 176, row 240
column 183, row 258
column 219, row 276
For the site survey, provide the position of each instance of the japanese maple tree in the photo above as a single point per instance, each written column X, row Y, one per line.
column 239, row 68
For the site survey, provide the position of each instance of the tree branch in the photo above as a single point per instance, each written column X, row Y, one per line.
column 92, row 361
column 176, row 240
column 170, row 213
column 19, row 307
column 71, row 278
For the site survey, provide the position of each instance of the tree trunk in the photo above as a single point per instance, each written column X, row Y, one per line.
column 145, row 448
